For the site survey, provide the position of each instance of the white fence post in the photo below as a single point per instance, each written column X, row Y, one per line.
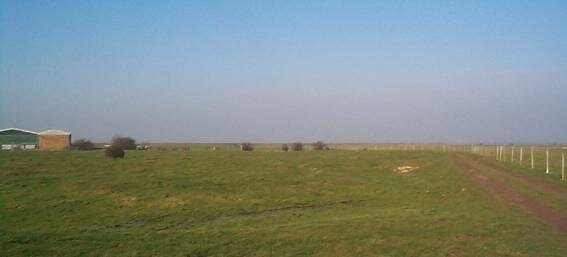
column 562, row 166
column 532, row 157
column 521, row 155
column 497, row 152
column 546, row 160
column 512, row 158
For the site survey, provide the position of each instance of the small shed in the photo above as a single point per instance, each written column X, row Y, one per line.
column 54, row 140
column 14, row 138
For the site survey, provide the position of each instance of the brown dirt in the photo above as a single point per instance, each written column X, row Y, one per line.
column 551, row 216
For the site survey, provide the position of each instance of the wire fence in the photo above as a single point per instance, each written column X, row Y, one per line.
column 541, row 159
column 549, row 159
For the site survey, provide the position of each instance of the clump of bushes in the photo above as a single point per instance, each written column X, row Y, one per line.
column 126, row 143
column 83, row 145
column 297, row 146
column 114, row 151
column 285, row 148
column 246, row 147
column 319, row 145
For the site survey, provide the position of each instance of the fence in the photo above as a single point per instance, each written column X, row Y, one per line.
column 548, row 159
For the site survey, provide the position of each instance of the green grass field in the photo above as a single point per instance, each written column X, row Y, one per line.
column 260, row 203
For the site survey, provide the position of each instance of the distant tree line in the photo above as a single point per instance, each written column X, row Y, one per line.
column 296, row 147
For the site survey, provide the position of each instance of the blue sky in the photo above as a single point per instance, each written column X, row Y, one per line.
column 264, row 71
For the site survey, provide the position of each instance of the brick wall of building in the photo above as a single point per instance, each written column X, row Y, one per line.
column 54, row 142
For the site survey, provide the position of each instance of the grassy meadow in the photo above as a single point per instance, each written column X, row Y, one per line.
column 165, row 202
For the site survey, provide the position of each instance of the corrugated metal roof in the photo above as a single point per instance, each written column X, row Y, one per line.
column 54, row 132
column 14, row 136
column 17, row 129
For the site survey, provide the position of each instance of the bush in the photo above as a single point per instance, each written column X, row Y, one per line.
column 285, row 148
column 297, row 146
column 114, row 151
column 126, row 143
column 246, row 147
column 82, row 144
column 319, row 145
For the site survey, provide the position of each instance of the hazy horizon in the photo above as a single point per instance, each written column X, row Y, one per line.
column 259, row 71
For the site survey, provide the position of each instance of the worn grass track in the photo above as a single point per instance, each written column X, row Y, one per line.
column 488, row 174
column 557, row 186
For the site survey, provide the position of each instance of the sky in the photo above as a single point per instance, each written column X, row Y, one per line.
column 284, row 71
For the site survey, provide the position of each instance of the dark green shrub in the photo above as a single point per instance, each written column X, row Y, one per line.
column 297, row 146
column 318, row 146
column 114, row 151
column 82, row 144
column 126, row 143
column 246, row 147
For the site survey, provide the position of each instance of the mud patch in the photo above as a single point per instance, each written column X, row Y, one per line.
column 259, row 213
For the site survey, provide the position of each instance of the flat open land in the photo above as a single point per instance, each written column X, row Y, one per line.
column 271, row 203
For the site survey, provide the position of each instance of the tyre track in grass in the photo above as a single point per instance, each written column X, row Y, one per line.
column 534, row 182
column 224, row 217
column 505, row 192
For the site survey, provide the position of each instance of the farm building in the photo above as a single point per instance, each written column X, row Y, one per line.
column 13, row 138
column 54, row 140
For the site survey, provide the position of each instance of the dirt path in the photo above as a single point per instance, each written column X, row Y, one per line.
column 534, row 182
column 507, row 193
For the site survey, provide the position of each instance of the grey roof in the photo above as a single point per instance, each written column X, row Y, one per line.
column 54, row 132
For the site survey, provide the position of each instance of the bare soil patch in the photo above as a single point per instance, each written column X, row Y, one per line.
column 406, row 169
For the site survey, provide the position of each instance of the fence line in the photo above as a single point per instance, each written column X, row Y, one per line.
column 547, row 159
